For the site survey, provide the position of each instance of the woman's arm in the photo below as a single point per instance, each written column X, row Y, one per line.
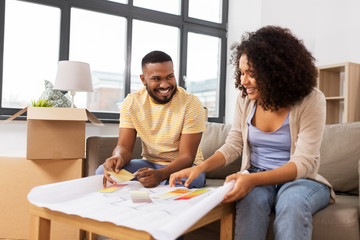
column 244, row 183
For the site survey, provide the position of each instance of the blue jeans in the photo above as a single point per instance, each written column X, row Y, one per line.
column 136, row 164
column 293, row 202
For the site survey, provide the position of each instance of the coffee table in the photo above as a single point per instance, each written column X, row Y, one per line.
column 41, row 222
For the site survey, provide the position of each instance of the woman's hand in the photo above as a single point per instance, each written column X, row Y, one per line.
column 244, row 183
column 190, row 173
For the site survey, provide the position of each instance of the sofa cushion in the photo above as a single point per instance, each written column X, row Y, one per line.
column 98, row 149
column 212, row 139
column 338, row 221
column 339, row 153
column 214, row 182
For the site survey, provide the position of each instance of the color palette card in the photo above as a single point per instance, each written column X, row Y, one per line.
column 140, row 196
column 192, row 194
column 171, row 194
column 112, row 188
column 122, row 175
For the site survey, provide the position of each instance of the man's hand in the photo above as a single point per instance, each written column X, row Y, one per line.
column 112, row 164
column 148, row 177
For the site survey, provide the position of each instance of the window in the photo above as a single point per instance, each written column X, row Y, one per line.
column 119, row 1
column 158, row 37
column 112, row 36
column 93, row 40
column 30, row 53
column 167, row 6
column 209, row 10
column 203, row 79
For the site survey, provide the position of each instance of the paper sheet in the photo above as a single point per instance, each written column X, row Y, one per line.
column 163, row 218
column 122, row 175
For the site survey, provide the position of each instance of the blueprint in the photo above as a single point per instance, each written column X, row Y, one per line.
column 164, row 217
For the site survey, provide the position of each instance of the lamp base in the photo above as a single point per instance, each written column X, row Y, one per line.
column 72, row 93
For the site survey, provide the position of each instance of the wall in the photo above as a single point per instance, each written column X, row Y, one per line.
column 244, row 16
column 330, row 30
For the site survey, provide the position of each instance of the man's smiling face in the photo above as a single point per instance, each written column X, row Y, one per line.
column 160, row 81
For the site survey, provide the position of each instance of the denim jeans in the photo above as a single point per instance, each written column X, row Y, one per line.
column 293, row 202
column 136, row 164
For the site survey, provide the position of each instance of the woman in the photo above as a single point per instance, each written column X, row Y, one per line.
column 278, row 126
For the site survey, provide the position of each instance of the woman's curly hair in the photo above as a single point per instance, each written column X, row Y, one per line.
column 284, row 69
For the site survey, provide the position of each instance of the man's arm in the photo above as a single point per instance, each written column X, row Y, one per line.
column 121, row 154
column 188, row 147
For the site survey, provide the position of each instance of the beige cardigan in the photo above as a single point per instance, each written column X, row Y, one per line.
column 306, row 121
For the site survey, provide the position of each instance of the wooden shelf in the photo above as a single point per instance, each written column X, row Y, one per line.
column 340, row 84
column 334, row 98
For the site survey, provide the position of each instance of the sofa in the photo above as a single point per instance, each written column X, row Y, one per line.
column 340, row 154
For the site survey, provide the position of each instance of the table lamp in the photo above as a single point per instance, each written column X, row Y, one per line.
column 73, row 76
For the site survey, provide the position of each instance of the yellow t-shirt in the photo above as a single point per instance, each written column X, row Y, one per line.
column 161, row 125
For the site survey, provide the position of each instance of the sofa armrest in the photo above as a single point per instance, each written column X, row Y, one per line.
column 98, row 149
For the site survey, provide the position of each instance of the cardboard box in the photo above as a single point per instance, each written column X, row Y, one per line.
column 17, row 177
column 56, row 133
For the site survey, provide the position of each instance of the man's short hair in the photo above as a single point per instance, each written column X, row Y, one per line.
column 155, row 57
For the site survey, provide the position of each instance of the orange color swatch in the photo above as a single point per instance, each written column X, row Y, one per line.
column 171, row 194
column 192, row 194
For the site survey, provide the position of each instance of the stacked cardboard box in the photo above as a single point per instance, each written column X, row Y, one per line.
column 55, row 152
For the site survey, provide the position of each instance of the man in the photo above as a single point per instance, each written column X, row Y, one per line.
column 169, row 121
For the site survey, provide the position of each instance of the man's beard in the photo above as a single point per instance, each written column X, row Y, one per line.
column 161, row 100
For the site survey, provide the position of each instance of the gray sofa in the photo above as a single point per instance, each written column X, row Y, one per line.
column 340, row 154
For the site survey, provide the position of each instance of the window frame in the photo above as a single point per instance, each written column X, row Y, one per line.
column 131, row 12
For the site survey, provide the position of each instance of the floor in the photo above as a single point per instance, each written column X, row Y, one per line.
column 208, row 232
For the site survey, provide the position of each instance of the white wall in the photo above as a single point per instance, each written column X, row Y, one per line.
column 244, row 16
column 330, row 29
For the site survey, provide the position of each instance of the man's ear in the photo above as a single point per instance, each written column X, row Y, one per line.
column 142, row 79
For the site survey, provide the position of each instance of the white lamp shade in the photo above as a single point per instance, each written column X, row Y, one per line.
column 73, row 76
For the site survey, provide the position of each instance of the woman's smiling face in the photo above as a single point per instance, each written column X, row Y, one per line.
column 247, row 78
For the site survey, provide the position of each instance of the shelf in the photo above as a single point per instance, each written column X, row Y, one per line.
column 334, row 98
column 340, row 84
column 334, row 112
